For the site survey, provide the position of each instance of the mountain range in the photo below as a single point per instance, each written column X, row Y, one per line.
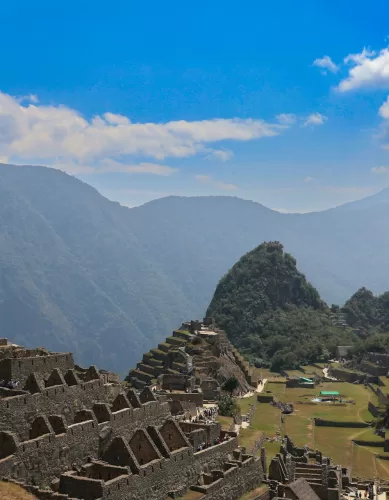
column 79, row 272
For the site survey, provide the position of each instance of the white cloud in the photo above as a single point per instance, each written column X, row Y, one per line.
column 57, row 134
column 220, row 154
column 369, row 69
column 286, row 118
column 203, row 178
column 3, row 159
column 326, row 63
column 315, row 119
column 384, row 109
column 225, row 186
column 309, row 179
column 380, row 170
column 222, row 186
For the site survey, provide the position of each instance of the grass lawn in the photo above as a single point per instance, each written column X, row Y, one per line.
column 225, row 421
column 265, row 420
column 266, row 373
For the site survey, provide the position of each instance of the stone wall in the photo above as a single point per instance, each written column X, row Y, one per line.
column 176, row 382
column 373, row 409
column 154, row 481
column 319, row 422
column 213, row 430
column 234, row 482
column 347, row 376
column 374, row 444
column 383, row 398
column 17, row 413
column 215, row 456
column 20, row 368
column 372, row 369
column 196, row 397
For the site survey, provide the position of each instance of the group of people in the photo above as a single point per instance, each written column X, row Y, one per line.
column 368, row 493
column 204, row 446
column 10, row 384
column 204, row 416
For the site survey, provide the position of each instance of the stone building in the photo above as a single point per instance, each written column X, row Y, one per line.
column 292, row 463
column 72, row 433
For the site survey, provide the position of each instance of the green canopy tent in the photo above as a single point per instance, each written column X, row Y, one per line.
column 329, row 393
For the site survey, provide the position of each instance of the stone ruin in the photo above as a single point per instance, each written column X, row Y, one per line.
column 293, row 463
column 199, row 350
column 69, row 433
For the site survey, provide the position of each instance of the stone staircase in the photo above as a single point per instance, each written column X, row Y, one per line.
column 311, row 472
column 153, row 363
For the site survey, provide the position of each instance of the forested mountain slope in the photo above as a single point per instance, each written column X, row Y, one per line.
column 270, row 311
column 371, row 312
column 80, row 272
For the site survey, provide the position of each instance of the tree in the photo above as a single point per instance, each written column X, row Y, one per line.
column 230, row 385
column 227, row 405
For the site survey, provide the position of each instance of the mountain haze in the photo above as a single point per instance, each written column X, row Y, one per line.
column 82, row 273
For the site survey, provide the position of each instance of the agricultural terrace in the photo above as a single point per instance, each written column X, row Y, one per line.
column 335, row 442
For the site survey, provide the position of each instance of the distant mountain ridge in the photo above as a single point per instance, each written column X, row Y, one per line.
column 81, row 273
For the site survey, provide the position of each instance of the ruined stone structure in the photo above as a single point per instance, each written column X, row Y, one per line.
column 73, row 433
column 197, row 349
column 292, row 463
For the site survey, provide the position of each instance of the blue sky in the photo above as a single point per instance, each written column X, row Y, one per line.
column 281, row 102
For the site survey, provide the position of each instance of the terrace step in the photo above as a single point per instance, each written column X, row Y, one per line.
column 172, row 372
column 175, row 341
column 145, row 377
column 185, row 335
column 157, row 354
column 146, row 368
column 303, row 465
column 138, row 384
column 164, row 346
column 310, row 476
column 154, row 362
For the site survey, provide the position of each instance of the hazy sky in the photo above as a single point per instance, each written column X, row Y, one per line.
column 283, row 102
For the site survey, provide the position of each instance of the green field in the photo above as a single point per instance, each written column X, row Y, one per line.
column 335, row 442
column 266, row 420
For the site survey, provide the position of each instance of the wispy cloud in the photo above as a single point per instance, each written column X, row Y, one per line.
column 315, row 119
column 286, row 118
column 380, row 170
column 309, row 179
column 367, row 69
column 220, row 154
column 220, row 185
column 326, row 64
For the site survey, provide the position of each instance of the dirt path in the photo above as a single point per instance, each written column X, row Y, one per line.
column 260, row 388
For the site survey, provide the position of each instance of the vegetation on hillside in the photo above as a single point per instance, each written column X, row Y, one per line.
column 272, row 314
column 368, row 311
